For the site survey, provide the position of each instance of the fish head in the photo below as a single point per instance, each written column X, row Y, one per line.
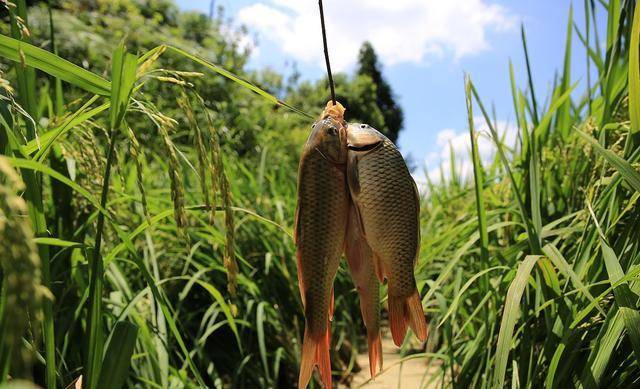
column 363, row 137
column 329, row 138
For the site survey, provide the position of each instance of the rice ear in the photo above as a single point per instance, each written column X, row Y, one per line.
column 203, row 161
column 230, row 263
column 177, row 188
column 138, row 157
column 23, row 292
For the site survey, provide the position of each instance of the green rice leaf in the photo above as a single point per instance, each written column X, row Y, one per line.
column 634, row 72
column 117, row 356
column 49, row 63
column 510, row 315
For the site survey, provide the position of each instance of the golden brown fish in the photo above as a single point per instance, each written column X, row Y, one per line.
column 388, row 206
column 360, row 260
column 321, row 222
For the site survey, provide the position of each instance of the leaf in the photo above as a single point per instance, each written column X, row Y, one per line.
column 52, row 64
column 260, row 319
column 634, row 72
column 478, row 176
column 510, row 315
column 123, row 75
column 560, row 262
column 117, row 358
column 57, row 242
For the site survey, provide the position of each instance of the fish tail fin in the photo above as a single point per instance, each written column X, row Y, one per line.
column 375, row 353
column 315, row 352
column 404, row 312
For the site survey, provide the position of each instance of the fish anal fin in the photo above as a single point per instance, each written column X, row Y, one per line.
column 375, row 353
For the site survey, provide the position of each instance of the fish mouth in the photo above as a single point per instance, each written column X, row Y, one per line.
column 367, row 147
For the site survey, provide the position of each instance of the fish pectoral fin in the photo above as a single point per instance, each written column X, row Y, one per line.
column 332, row 304
column 378, row 267
column 295, row 225
column 353, row 180
column 353, row 245
column 301, row 285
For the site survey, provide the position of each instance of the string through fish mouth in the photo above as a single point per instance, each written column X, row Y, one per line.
column 328, row 159
column 326, row 53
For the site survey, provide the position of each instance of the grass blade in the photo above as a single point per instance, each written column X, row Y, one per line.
column 12, row 49
column 564, row 112
column 510, row 315
column 478, row 176
column 634, row 72
column 118, row 355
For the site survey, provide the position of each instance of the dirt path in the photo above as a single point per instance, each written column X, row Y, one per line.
column 409, row 374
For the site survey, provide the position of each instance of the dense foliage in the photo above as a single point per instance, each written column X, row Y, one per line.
column 146, row 207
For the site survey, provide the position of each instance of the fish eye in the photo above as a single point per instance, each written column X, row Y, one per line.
column 363, row 126
column 332, row 131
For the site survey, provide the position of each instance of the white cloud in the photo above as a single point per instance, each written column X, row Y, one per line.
column 400, row 30
column 447, row 140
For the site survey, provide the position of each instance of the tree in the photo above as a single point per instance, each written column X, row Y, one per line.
column 368, row 65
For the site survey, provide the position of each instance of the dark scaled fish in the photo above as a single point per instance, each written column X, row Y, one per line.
column 388, row 207
column 320, row 226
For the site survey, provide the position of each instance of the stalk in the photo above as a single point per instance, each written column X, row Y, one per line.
column 96, row 337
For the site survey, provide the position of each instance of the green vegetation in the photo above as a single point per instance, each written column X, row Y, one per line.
column 146, row 205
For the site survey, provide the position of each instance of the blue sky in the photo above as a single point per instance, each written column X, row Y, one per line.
column 425, row 47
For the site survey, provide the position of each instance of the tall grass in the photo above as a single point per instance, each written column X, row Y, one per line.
column 554, row 302
column 169, row 259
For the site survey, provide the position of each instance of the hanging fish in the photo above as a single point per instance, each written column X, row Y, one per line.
column 320, row 226
column 360, row 260
column 387, row 203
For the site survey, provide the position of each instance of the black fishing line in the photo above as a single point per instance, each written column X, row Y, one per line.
column 326, row 53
